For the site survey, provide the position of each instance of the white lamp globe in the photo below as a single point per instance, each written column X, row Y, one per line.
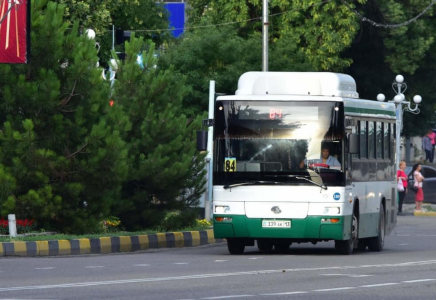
column 402, row 97
column 417, row 99
column 397, row 99
column 399, row 78
column 90, row 33
column 381, row 97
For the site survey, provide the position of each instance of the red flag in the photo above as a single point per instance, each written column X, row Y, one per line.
column 13, row 31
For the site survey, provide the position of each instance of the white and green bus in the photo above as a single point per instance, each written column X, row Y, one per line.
column 298, row 157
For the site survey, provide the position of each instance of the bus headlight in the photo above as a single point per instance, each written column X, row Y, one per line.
column 332, row 210
column 221, row 209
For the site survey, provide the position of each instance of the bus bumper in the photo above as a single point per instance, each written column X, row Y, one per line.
column 310, row 228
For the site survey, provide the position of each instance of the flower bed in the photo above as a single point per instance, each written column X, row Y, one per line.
column 23, row 226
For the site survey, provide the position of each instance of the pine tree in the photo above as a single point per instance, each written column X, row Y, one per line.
column 166, row 171
column 61, row 160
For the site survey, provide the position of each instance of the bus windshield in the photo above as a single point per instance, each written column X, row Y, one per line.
column 279, row 141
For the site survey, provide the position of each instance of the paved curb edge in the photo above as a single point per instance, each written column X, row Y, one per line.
column 425, row 214
column 108, row 244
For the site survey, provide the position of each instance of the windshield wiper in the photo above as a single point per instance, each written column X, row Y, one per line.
column 323, row 186
column 228, row 186
column 315, row 183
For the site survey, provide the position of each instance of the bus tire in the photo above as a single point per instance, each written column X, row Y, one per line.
column 346, row 247
column 264, row 245
column 235, row 246
column 376, row 243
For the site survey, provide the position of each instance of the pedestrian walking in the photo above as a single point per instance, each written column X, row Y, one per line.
column 427, row 147
column 402, row 181
column 432, row 135
column 418, row 179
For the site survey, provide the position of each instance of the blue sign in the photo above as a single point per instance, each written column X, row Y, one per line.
column 177, row 17
column 336, row 196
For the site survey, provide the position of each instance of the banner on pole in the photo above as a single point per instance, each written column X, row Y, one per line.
column 14, row 31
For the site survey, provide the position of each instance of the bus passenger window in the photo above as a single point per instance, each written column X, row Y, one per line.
column 379, row 141
column 393, row 133
column 386, row 140
column 363, row 140
column 371, row 140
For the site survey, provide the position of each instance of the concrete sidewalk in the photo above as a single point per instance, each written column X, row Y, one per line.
column 108, row 244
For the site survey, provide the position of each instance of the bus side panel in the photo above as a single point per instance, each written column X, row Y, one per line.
column 373, row 182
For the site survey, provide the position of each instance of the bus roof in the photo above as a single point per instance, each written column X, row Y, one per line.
column 297, row 83
column 369, row 108
column 314, row 86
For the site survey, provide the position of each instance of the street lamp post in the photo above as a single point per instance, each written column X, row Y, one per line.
column 399, row 86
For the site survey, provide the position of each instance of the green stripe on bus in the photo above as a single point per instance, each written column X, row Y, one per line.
column 307, row 228
column 369, row 111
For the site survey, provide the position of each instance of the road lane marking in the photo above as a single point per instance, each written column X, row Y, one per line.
column 418, row 280
column 141, row 265
column 403, row 244
column 254, row 258
column 181, row 263
column 227, row 297
column 46, row 268
column 284, row 293
column 347, row 275
column 93, row 267
column 220, row 260
column 336, row 289
column 204, row 276
column 380, row 284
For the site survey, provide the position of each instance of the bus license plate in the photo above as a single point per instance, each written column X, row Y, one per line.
column 276, row 224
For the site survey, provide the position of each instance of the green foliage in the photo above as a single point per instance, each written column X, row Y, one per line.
column 166, row 166
column 140, row 16
column 379, row 54
column 317, row 36
column 111, row 224
column 213, row 54
column 62, row 161
column 303, row 36
column 319, row 31
column 203, row 223
column 178, row 219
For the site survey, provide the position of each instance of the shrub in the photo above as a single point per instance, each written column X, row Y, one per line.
column 203, row 223
column 179, row 219
column 112, row 224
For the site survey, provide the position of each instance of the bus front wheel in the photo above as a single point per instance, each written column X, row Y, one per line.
column 235, row 246
column 376, row 243
column 346, row 247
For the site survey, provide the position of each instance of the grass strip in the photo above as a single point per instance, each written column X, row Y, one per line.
column 39, row 237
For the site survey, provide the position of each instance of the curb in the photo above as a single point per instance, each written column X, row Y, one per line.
column 425, row 214
column 430, row 213
column 106, row 245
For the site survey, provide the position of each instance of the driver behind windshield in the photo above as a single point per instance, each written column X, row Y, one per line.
column 327, row 159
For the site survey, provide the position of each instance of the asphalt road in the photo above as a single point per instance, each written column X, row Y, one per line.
column 406, row 269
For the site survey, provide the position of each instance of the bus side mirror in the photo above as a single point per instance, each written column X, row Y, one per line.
column 202, row 140
column 353, row 143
